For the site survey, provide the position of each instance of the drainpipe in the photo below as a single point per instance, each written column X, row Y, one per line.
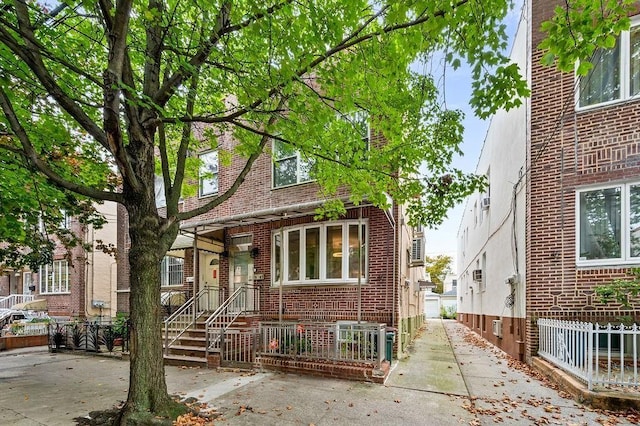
column 196, row 272
column 359, row 265
column 281, row 272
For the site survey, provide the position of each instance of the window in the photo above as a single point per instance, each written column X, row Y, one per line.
column 54, row 278
column 615, row 74
column 65, row 222
column 171, row 271
column 320, row 253
column 208, row 173
column 290, row 167
column 159, row 190
column 608, row 224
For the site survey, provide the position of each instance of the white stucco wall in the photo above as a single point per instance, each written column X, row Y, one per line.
column 486, row 238
column 101, row 267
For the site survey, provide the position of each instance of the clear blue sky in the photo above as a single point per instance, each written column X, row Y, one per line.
column 457, row 93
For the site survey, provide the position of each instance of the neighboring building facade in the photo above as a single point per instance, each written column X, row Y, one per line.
column 563, row 201
column 77, row 284
column 265, row 235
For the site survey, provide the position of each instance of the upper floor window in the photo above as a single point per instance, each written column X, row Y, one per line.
column 328, row 253
column 208, row 173
column 616, row 72
column 289, row 165
column 171, row 271
column 54, row 278
column 608, row 230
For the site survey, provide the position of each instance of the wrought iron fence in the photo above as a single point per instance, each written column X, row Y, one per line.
column 352, row 342
column 88, row 336
column 598, row 354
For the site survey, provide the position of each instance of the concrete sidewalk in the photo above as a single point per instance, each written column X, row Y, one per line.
column 445, row 380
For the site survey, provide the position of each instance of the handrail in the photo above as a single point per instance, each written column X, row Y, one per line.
column 227, row 317
column 188, row 308
column 7, row 302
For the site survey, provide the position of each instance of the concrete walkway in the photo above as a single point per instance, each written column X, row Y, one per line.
column 445, row 380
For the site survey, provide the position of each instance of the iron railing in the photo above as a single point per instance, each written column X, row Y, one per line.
column 351, row 342
column 597, row 354
column 88, row 336
column 245, row 299
column 185, row 317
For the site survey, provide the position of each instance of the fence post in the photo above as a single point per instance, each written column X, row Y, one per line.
column 590, row 356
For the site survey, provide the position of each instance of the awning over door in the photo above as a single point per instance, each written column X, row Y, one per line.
column 185, row 241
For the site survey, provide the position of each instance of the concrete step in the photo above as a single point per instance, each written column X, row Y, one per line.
column 186, row 350
column 183, row 360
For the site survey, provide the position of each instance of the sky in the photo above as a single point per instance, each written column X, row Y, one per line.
column 443, row 239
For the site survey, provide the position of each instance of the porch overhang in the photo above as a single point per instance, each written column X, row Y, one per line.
column 260, row 216
column 185, row 240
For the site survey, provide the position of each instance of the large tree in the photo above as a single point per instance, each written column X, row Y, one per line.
column 99, row 98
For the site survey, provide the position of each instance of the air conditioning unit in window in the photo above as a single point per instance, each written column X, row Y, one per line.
column 497, row 328
column 417, row 252
column 486, row 202
column 477, row 274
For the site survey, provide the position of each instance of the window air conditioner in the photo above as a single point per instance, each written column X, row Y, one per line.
column 497, row 328
column 477, row 274
column 486, row 202
column 417, row 252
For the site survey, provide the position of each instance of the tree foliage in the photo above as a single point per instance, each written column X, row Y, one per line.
column 100, row 97
column 438, row 267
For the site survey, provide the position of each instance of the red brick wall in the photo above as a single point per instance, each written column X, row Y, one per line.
column 568, row 151
column 325, row 302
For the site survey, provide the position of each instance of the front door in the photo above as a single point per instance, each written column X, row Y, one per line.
column 210, row 279
column 26, row 283
column 242, row 275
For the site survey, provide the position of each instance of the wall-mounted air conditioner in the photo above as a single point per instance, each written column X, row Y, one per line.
column 477, row 274
column 497, row 328
column 417, row 252
column 486, row 202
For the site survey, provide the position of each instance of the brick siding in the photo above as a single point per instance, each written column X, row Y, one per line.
column 568, row 151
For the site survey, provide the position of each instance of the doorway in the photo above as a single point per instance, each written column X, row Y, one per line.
column 210, row 279
column 241, row 271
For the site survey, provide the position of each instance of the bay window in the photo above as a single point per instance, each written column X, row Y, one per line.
column 608, row 230
column 320, row 253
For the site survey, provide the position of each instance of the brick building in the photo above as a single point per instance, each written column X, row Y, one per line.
column 564, row 202
column 268, row 226
column 78, row 283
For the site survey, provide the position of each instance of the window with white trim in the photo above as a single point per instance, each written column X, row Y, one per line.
column 616, row 72
column 608, row 224
column 54, row 278
column 290, row 167
column 171, row 271
column 208, row 173
column 334, row 252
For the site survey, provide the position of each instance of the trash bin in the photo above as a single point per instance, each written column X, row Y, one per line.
column 391, row 338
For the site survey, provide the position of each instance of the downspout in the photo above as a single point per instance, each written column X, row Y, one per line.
column 392, row 222
column 281, row 272
column 196, row 272
column 359, row 265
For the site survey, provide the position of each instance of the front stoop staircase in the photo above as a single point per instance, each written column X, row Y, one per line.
column 192, row 337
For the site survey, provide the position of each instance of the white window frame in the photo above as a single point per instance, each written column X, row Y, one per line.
column 625, row 237
column 172, row 271
column 625, row 73
column 323, row 254
column 300, row 161
column 204, row 169
column 54, row 278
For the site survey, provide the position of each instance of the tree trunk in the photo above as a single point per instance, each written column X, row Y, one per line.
column 147, row 386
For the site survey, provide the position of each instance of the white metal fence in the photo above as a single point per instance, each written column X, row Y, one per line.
column 6, row 302
column 598, row 354
column 25, row 329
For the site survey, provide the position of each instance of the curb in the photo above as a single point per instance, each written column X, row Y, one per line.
column 603, row 400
